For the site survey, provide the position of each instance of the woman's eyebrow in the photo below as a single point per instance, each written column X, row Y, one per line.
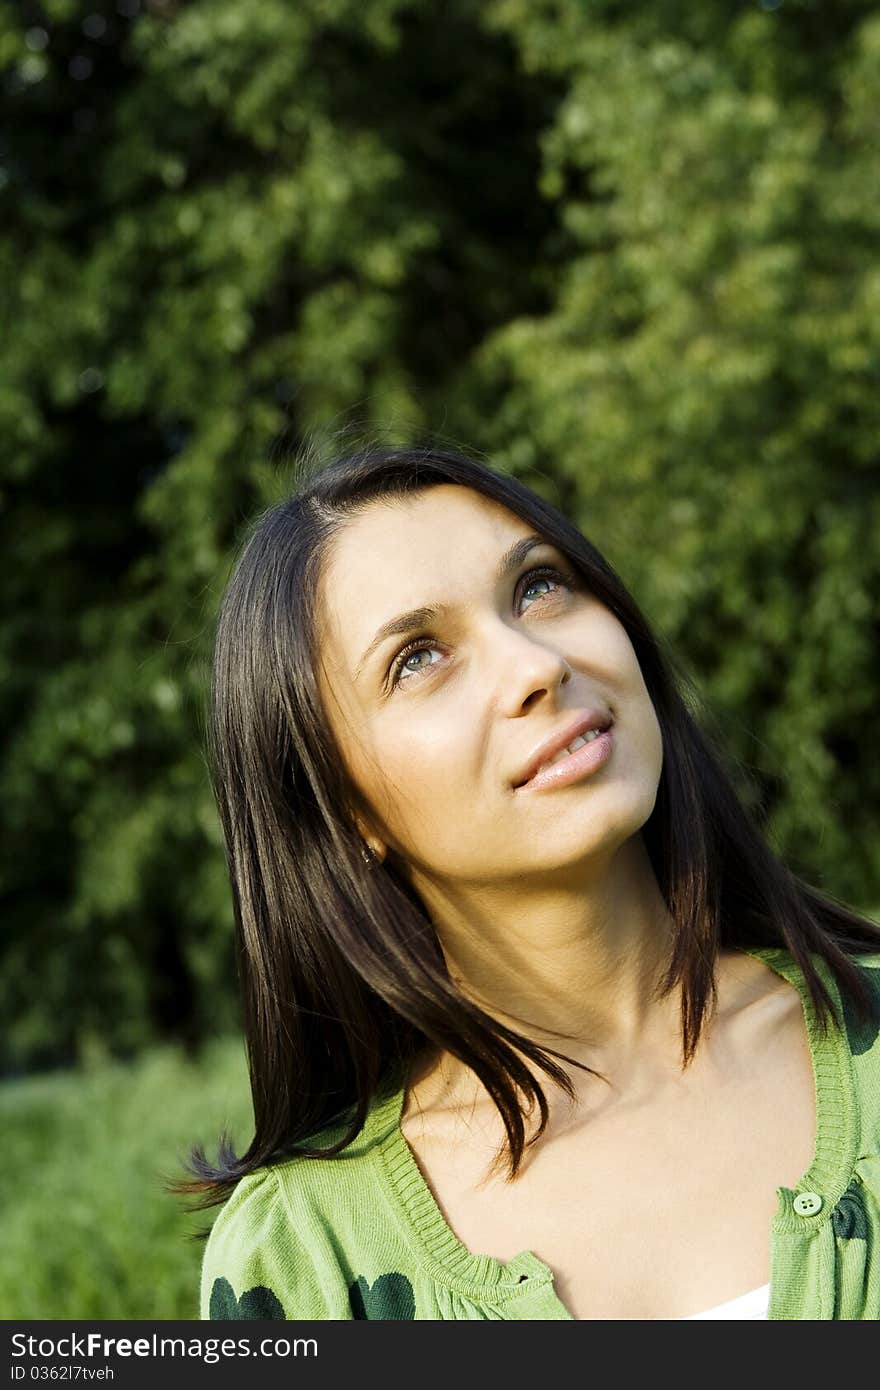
column 408, row 622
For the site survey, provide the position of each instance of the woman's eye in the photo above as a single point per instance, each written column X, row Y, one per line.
column 544, row 576
column 402, row 673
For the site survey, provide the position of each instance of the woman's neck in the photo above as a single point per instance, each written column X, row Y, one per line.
column 574, row 965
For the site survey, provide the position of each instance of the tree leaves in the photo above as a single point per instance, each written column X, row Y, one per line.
column 629, row 252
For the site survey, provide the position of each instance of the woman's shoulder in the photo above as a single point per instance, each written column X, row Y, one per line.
column 854, row 1037
column 863, row 1032
column 242, row 1250
column 867, row 965
column 272, row 1251
column 274, row 1245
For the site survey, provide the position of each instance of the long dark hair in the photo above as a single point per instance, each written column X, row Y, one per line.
column 343, row 979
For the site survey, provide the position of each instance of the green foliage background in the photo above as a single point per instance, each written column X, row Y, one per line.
column 629, row 251
column 91, row 1232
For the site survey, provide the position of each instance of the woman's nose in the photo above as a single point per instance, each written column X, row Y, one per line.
column 525, row 667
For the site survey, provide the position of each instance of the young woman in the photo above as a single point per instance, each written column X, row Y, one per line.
column 473, row 826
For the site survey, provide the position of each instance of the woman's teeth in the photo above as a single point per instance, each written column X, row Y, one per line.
column 572, row 748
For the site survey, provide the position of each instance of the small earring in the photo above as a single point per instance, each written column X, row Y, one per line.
column 369, row 855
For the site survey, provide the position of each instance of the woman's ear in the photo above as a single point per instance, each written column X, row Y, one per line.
column 373, row 847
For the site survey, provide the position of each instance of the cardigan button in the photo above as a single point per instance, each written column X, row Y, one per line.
column 808, row 1203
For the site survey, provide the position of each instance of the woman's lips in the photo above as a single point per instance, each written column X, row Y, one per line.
column 584, row 761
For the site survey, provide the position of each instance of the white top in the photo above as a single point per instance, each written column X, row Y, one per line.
column 754, row 1304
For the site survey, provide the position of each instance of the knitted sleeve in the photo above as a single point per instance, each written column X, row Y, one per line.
column 255, row 1264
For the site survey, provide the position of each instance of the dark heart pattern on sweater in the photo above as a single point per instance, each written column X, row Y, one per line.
column 862, row 1033
column 391, row 1296
column 255, row 1304
column 848, row 1217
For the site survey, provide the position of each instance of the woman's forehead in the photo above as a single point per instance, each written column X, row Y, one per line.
column 401, row 531
column 404, row 552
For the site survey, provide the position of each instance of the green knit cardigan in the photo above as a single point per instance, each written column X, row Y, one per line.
column 361, row 1236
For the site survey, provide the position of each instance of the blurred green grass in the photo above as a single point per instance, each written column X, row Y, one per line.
column 88, row 1231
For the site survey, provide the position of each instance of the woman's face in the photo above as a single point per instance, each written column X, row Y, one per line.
column 435, row 723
